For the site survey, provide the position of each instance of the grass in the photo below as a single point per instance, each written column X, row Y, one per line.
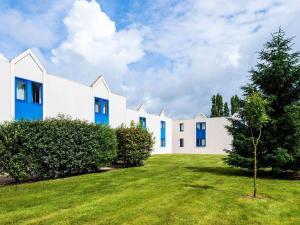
column 169, row 189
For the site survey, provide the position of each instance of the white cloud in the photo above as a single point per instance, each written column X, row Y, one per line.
column 93, row 42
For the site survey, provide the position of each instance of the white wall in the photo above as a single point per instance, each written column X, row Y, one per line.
column 217, row 138
column 5, row 90
column 117, row 110
column 66, row 97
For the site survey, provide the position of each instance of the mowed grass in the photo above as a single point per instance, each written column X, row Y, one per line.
column 169, row 189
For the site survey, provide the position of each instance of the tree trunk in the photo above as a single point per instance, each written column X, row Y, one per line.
column 255, row 173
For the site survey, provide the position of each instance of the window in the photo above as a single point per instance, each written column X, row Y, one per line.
column 36, row 89
column 198, row 126
column 203, row 142
column 162, row 124
column 203, row 126
column 163, row 142
column 97, row 106
column 21, row 90
column 105, row 108
column 181, row 127
column 143, row 122
column 181, row 142
column 198, row 142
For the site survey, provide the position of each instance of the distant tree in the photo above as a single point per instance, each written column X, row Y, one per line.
column 226, row 110
column 219, row 103
column 256, row 117
column 235, row 104
column 213, row 107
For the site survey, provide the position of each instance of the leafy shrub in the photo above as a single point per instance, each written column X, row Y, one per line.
column 54, row 147
column 134, row 145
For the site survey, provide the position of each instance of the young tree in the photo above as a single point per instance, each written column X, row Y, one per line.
column 213, row 107
column 235, row 104
column 219, row 104
column 226, row 109
column 256, row 118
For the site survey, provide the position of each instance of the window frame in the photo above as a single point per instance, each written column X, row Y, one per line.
column 40, row 93
column 17, row 80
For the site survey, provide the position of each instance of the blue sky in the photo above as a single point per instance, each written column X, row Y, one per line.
column 163, row 53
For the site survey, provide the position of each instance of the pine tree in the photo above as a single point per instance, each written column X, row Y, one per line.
column 213, row 107
column 277, row 78
column 226, row 109
column 235, row 104
column 219, row 103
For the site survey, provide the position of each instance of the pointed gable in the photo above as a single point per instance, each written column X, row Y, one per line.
column 141, row 109
column 200, row 115
column 27, row 66
column 100, row 88
column 162, row 113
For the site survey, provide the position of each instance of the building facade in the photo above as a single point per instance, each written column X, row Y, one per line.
column 27, row 91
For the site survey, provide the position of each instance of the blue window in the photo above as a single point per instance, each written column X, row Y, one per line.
column 201, row 134
column 101, row 109
column 28, row 100
column 162, row 133
column 143, row 122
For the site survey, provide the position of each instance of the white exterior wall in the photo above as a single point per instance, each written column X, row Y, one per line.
column 5, row 89
column 117, row 110
column 66, row 97
column 217, row 138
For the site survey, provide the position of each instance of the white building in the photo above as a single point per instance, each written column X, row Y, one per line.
column 27, row 91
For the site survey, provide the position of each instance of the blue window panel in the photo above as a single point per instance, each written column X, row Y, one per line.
column 162, row 133
column 143, row 122
column 201, row 134
column 101, row 110
column 26, row 105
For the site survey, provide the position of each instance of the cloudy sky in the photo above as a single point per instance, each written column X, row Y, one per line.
column 171, row 54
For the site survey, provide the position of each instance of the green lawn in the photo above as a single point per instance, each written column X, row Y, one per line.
column 169, row 189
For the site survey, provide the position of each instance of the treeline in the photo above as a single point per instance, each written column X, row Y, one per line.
column 218, row 109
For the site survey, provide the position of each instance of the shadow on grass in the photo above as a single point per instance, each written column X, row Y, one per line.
column 201, row 187
column 228, row 171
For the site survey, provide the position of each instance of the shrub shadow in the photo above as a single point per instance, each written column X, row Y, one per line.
column 229, row 171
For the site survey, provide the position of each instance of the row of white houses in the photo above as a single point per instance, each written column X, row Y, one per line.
column 27, row 91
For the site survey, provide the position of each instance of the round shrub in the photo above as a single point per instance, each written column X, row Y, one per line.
column 56, row 147
column 134, row 145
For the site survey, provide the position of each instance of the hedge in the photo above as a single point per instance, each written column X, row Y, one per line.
column 135, row 145
column 56, row 147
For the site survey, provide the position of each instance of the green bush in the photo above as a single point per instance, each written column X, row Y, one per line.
column 54, row 147
column 134, row 145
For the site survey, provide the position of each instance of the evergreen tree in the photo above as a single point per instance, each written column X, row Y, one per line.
column 213, row 107
column 226, row 109
column 235, row 104
column 277, row 78
column 219, row 103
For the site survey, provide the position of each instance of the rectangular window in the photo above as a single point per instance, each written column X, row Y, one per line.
column 97, row 106
column 162, row 124
column 181, row 142
column 105, row 108
column 203, row 142
column 21, row 90
column 181, row 127
column 163, row 142
column 143, row 122
column 203, row 127
column 36, row 89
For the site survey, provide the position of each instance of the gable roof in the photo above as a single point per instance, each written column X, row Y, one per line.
column 100, row 79
column 142, row 108
column 30, row 53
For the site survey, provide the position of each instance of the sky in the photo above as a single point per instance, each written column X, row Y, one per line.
column 167, row 54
